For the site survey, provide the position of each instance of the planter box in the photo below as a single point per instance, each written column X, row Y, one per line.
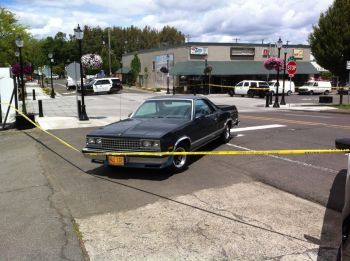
column 23, row 124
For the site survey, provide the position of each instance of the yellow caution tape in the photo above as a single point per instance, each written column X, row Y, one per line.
column 194, row 153
column 227, row 152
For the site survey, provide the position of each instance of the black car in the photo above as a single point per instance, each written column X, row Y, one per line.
column 162, row 124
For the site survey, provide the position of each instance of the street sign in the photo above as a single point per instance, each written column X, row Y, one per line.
column 291, row 58
column 73, row 71
column 291, row 67
column 291, row 75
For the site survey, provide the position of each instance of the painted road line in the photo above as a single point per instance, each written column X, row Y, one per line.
column 301, row 163
column 261, row 127
column 307, row 115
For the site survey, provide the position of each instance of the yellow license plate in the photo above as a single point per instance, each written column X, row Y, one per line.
column 116, row 160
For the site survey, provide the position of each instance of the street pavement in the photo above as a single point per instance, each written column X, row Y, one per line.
column 41, row 219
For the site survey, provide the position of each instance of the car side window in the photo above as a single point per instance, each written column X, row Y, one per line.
column 239, row 84
column 246, row 84
column 253, row 85
column 203, row 108
column 316, row 84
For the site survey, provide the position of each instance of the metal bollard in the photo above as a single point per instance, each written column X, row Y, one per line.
column 267, row 99
column 33, row 94
column 271, row 95
column 79, row 108
column 40, row 103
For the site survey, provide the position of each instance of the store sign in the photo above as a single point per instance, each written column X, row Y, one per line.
column 198, row 50
column 298, row 53
column 240, row 51
column 265, row 52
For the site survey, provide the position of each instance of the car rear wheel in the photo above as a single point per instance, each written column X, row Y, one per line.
column 180, row 162
column 311, row 93
column 231, row 93
column 289, row 93
column 226, row 135
column 250, row 94
column 326, row 92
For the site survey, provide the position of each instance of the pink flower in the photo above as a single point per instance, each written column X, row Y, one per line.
column 274, row 63
column 91, row 61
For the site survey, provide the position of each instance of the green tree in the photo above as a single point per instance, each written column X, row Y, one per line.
column 9, row 30
column 135, row 68
column 330, row 39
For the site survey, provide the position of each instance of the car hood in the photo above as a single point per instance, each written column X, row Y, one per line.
column 140, row 128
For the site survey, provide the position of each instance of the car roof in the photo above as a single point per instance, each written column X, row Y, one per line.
column 178, row 97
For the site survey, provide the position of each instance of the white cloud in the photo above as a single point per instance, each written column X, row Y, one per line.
column 203, row 20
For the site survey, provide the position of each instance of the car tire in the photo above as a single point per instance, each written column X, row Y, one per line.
column 231, row 93
column 311, row 93
column 289, row 93
column 180, row 162
column 250, row 94
column 326, row 92
column 226, row 135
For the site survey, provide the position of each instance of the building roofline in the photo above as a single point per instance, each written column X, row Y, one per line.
column 205, row 44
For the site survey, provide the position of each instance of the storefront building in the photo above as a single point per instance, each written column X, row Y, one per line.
column 228, row 63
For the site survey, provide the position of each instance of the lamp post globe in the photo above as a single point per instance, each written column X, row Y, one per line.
column 79, row 34
column 279, row 46
column 52, row 95
column 283, row 102
column 19, row 43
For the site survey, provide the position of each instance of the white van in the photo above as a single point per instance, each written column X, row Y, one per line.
column 251, row 88
column 312, row 86
column 289, row 87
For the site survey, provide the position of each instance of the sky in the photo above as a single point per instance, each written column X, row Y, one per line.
column 245, row 21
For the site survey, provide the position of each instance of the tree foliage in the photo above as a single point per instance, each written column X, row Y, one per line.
column 135, row 67
column 9, row 30
column 330, row 40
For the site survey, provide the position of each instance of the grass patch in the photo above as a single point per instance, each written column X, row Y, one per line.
column 47, row 90
column 77, row 231
column 342, row 106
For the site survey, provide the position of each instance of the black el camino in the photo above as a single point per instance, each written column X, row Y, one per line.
column 177, row 123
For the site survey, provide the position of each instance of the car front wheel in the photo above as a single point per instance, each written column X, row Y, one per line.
column 180, row 162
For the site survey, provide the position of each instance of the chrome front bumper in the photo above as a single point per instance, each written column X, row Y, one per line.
column 145, row 160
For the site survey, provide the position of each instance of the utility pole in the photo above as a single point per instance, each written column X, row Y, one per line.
column 109, row 51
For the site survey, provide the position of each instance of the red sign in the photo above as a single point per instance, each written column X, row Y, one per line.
column 291, row 68
column 265, row 52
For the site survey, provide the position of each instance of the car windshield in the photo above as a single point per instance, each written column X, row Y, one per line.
column 177, row 109
column 272, row 83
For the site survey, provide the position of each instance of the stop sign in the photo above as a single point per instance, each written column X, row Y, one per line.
column 291, row 67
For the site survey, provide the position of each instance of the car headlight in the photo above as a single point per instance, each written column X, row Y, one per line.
column 93, row 141
column 153, row 144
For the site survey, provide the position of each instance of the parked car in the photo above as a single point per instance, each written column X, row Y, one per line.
column 250, row 88
column 107, row 85
column 289, row 87
column 315, row 87
column 55, row 76
column 162, row 124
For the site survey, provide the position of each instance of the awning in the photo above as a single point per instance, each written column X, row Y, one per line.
column 234, row 68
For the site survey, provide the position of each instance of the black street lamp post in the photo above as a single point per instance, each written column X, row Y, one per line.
column 16, row 80
column 167, row 75
column 52, row 95
column 79, row 36
column 283, row 102
column 279, row 46
column 19, row 43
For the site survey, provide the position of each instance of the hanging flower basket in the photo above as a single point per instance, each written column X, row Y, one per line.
column 91, row 61
column 273, row 63
column 16, row 69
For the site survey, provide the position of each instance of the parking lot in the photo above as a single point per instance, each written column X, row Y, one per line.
column 244, row 207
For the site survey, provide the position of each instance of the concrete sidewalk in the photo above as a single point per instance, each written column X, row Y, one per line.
column 62, row 112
